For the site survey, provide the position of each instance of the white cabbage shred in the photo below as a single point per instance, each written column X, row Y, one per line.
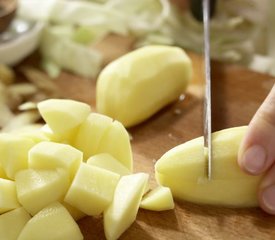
column 239, row 31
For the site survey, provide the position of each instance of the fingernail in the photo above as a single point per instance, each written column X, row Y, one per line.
column 268, row 197
column 254, row 159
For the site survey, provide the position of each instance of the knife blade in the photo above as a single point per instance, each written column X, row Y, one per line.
column 207, row 98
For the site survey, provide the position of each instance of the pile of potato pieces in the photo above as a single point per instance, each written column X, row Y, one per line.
column 79, row 163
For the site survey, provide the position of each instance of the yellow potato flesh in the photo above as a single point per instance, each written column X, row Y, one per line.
column 38, row 188
column 63, row 115
column 52, row 222
column 51, row 155
column 116, row 142
column 137, row 85
column 92, row 189
column 108, row 162
column 159, row 199
column 121, row 213
column 90, row 134
column 14, row 153
column 183, row 169
column 12, row 222
column 8, row 197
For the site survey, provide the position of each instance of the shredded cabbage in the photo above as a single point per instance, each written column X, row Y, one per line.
column 235, row 29
column 58, row 47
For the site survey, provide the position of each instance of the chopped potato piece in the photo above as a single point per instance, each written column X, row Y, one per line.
column 159, row 199
column 91, row 132
column 53, row 222
column 116, row 142
column 108, row 162
column 63, row 115
column 14, row 152
column 8, row 198
column 122, row 212
column 138, row 84
column 12, row 223
column 182, row 169
column 38, row 188
column 92, row 189
column 50, row 155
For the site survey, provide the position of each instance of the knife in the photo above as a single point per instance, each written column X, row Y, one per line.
column 207, row 98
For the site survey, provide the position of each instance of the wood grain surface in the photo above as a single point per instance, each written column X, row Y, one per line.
column 237, row 93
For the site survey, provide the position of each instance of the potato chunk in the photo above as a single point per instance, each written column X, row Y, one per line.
column 12, row 222
column 108, row 162
column 138, row 84
column 122, row 212
column 51, row 155
column 52, row 223
column 159, row 199
column 116, row 142
column 38, row 188
column 92, row 189
column 8, row 198
column 14, row 152
column 63, row 115
column 90, row 133
column 183, row 170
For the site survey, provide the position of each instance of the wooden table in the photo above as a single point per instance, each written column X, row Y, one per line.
column 237, row 94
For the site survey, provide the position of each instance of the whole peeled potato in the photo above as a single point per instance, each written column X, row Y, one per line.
column 140, row 83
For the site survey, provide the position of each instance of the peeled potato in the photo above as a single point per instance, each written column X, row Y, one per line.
column 138, row 84
column 52, row 222
column 38, row 188
column 63, row 115
column 121, row 213
column 108, row 162
column 8, row 197
column 183, row 169
column 92, row 189
column 159, row 199
column 12, row 223
column 14, row 152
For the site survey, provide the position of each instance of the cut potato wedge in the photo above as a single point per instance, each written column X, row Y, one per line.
column 38, row 188
column 138, row 84
column 63, row 115
column 108, row 162
column 92, row 189
column 12, row 223
column 8, row 197
column 51, row 155
column 90, row 134
column 159, row 199
column 183, row 170
column 122, row 212
column 116, row 142
column 53, row 222
column 14, row 152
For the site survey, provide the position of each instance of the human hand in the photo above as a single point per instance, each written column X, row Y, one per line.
column 257, row 151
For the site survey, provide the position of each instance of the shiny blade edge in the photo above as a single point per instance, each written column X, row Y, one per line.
column 207, row 99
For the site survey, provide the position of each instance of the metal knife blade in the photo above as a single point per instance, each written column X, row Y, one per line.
column 207, row 99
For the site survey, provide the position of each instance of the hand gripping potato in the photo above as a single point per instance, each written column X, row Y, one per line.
column 183, row 170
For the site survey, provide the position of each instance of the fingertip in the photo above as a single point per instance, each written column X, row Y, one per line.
column 267, row 199
column 253, row 159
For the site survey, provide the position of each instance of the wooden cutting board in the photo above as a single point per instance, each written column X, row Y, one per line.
column 237, row 94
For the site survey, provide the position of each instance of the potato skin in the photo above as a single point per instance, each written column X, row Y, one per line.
column 140, row 83
column 183, row 170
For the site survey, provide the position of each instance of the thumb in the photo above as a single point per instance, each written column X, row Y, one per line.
column 257, row 151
